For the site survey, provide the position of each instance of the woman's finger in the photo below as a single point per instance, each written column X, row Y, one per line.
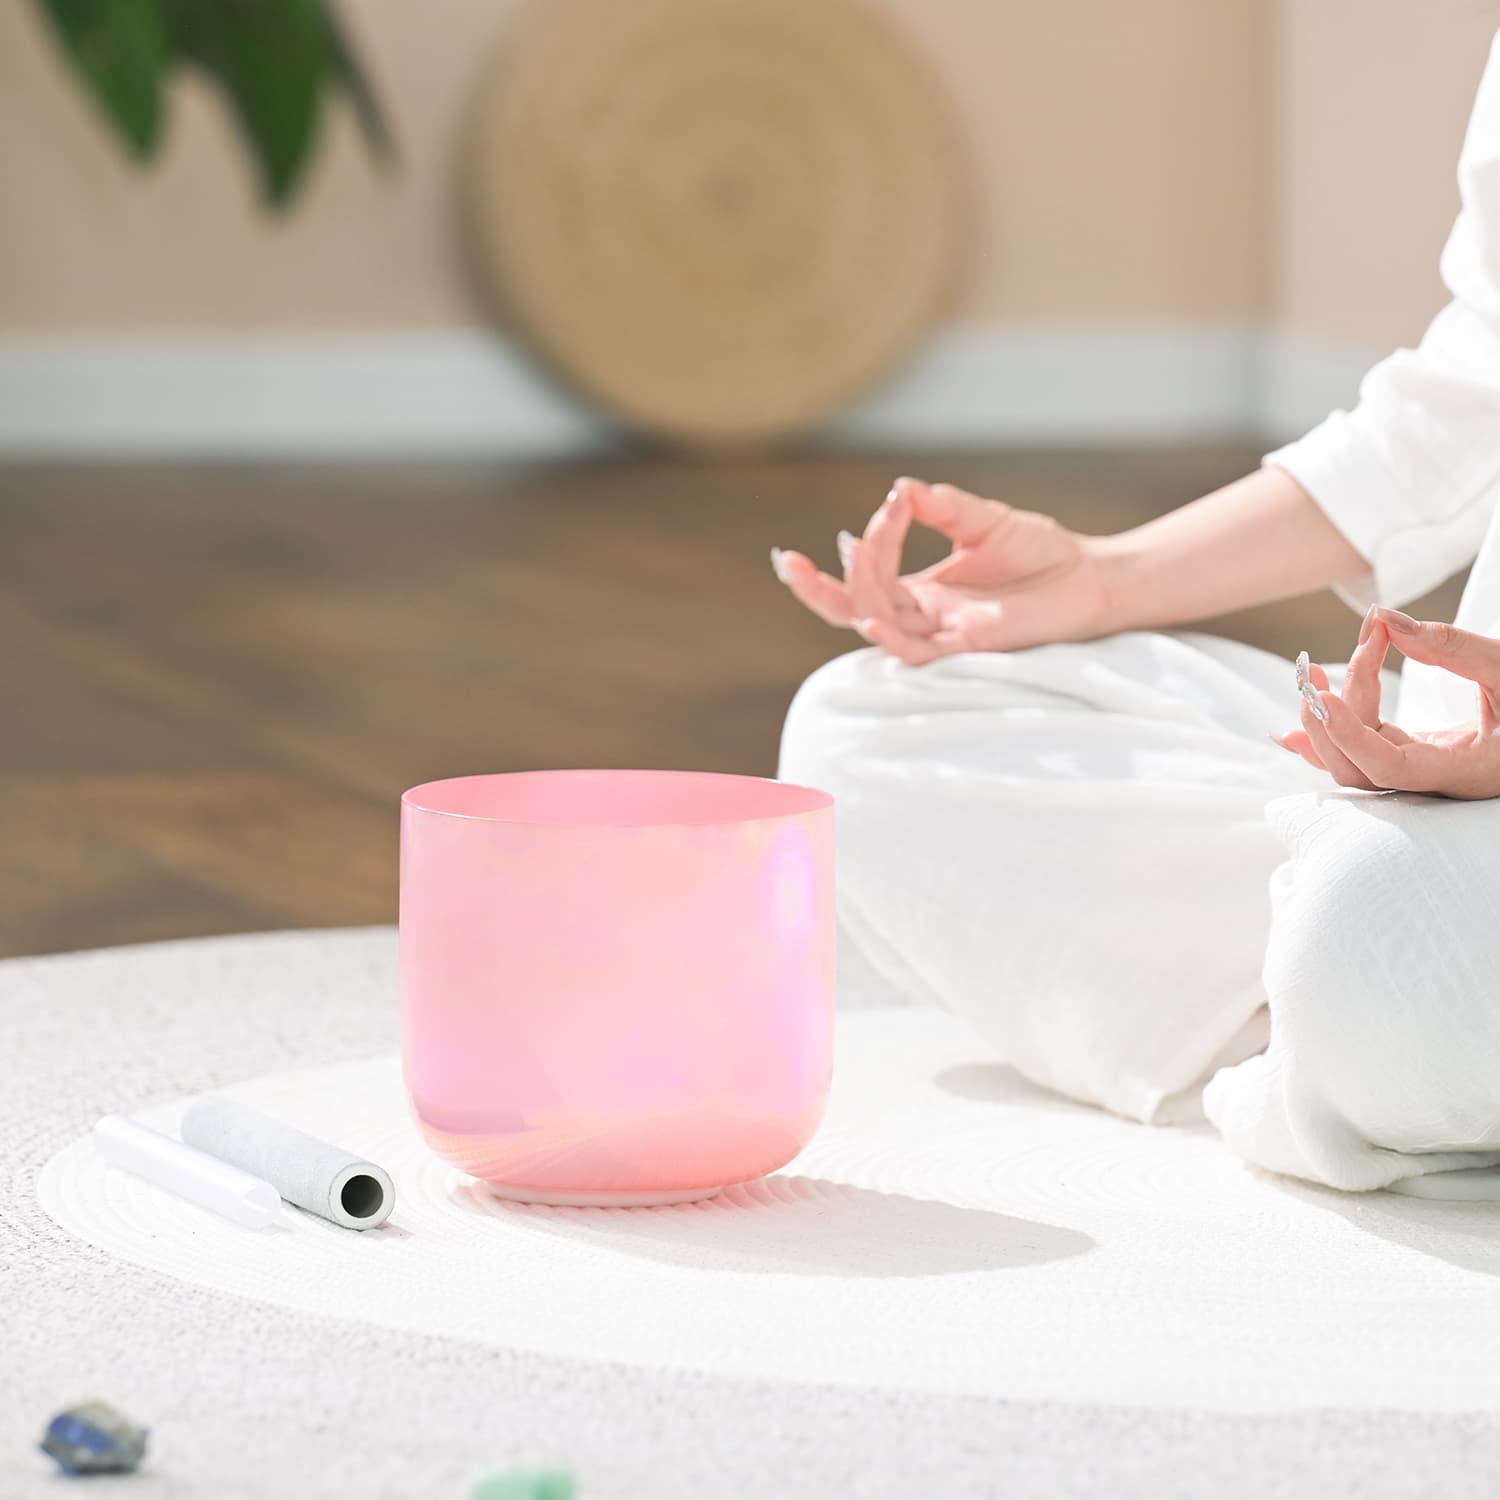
column 880, row 548
column 1299, row 742
column 1335, row 762
column 859, row 581
column 1310, row 671
column 1010, row 623
column 913, row 650
column 826, row 597
column 1362, row 683
column 1409, row 767
column 963, row 518
column 1489, row 712
column 867, row 597
column 1437, row 644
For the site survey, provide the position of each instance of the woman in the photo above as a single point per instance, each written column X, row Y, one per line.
column 1068, row 843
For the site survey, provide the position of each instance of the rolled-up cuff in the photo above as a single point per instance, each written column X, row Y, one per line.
column 1335, row 465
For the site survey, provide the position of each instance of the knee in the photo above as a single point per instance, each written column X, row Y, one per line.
column 1338, row 938
column 1384, row 932
column 825, row 715
column 1378, row 973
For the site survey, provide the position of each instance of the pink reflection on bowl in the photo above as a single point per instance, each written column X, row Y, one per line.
column 616, row 986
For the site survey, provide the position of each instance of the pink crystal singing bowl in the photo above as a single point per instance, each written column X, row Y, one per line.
column 616, row 986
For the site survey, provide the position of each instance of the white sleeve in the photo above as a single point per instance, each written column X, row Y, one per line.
column 1412, row 474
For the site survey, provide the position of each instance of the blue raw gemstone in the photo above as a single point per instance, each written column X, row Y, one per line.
column 94, row 1438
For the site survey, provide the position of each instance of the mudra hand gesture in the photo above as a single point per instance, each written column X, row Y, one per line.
column 1343, row 734
column 1014, row 578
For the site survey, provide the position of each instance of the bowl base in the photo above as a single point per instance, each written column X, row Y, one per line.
column 601, row 1200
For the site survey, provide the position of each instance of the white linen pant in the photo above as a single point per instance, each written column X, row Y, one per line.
column 1068, row 847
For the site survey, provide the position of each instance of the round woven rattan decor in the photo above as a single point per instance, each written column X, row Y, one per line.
column 718, row 219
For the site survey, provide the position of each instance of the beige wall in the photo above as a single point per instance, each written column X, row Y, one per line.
column 1368, row 108
column 1118, row 152
column 1161, row 159
column 86, row 243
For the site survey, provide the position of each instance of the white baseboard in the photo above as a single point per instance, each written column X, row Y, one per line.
column 1030, row 384
column 1304, row 377
column 282, row 397
column 469, row 395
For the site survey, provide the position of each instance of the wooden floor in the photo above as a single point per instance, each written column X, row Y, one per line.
column 215, row 683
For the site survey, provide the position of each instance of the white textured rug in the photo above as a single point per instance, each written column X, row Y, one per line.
column 949, row 1231
column 963, row 1286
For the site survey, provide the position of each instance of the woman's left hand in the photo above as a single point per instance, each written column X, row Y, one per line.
column 1359, row 750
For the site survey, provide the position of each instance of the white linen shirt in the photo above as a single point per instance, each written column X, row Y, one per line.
column 1412, row 475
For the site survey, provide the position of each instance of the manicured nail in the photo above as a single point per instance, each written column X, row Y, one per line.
column 1398, row 621
column 1304, row 675
column 778, row 564
column 1314, row 702
column 1367, row 624
column 846, row 550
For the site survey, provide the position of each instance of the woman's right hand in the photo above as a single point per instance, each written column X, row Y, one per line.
column 1344, row 734
column 1014, row 578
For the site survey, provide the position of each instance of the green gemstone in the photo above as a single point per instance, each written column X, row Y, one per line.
column 525, row 1484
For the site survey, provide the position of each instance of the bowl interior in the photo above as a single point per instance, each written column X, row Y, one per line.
column 615, row 799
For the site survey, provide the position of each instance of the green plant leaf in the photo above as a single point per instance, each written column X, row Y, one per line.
column 349, row 71
column 270, row 56
column 272, row 59
column 119, row 47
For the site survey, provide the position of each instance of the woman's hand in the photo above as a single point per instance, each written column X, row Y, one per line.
column 1343, row 733
column 1014, row 578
